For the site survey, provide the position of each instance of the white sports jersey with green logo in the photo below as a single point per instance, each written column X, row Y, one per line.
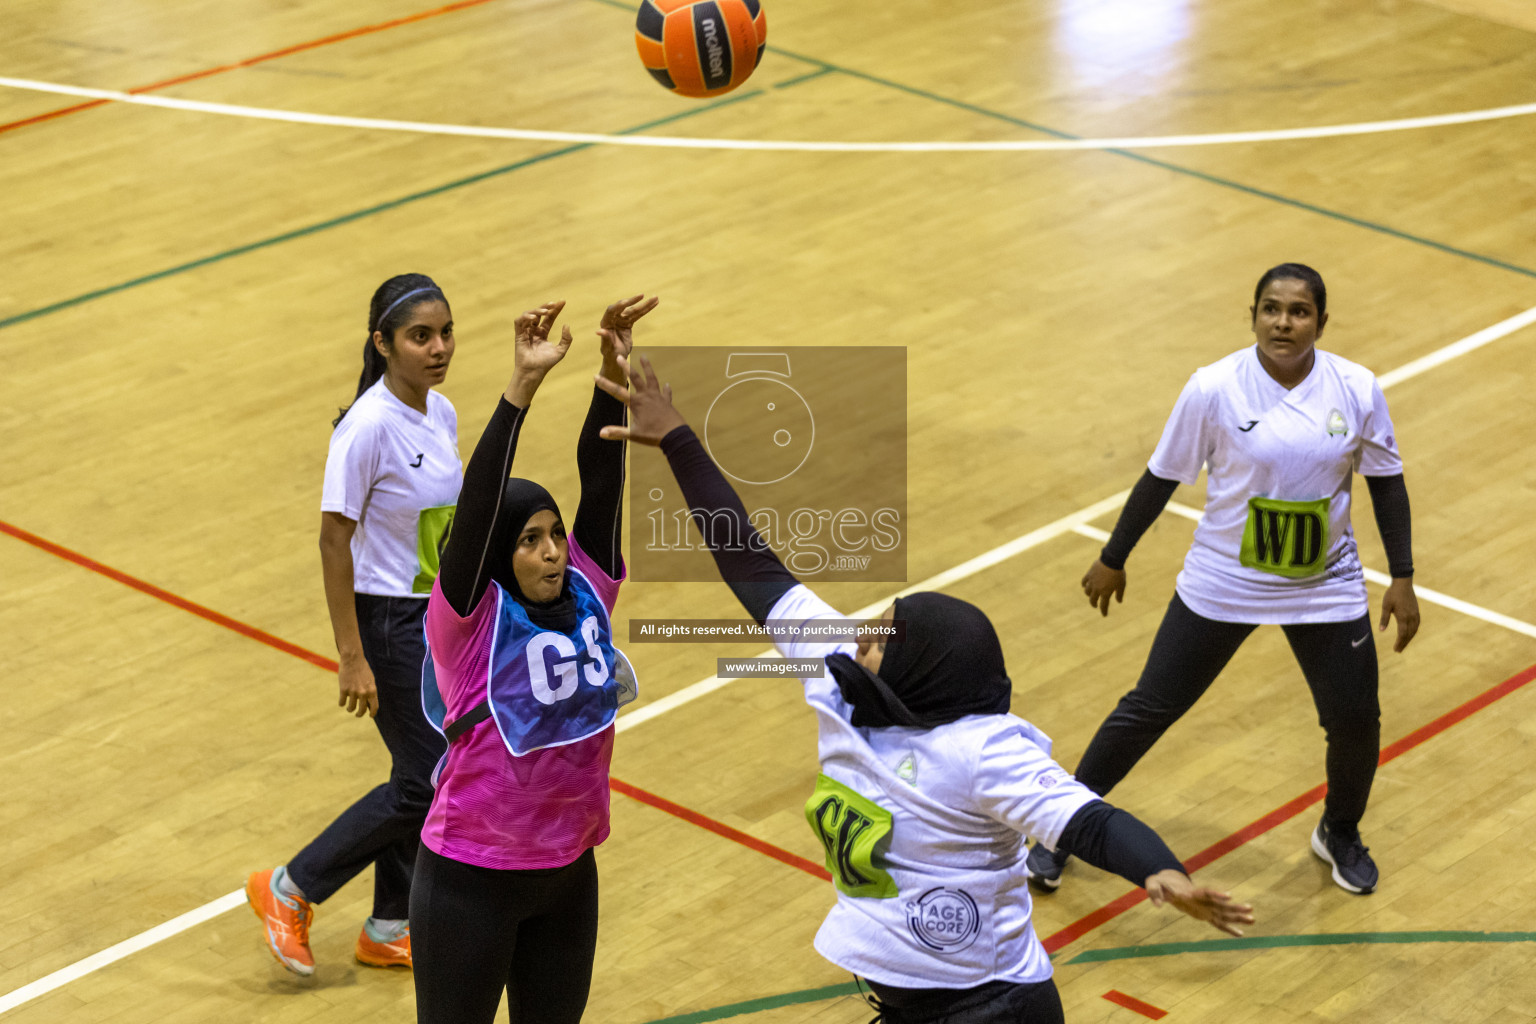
column 1275, row 545
column 924, row 834
column 397, row 473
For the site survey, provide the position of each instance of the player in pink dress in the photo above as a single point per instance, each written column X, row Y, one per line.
column 525, row 683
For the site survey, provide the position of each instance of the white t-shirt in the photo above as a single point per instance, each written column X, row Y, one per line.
column 1275, row 544
column 397, row 473
column 924, row 831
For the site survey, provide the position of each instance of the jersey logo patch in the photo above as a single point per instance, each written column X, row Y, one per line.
column 855, row 832
column 419, row 457
column 1248, row 426
column 1287, row 538
column 906, row 771
column 1337, row 426
column 945, row 920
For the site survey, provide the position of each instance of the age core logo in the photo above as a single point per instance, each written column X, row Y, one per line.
column 945, row 920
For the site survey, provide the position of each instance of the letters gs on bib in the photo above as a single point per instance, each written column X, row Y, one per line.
column 554, row 655
column 701, row 48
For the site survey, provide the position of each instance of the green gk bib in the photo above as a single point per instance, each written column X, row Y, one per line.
column 1287, row 538
column 855, row 831
column 432, row 528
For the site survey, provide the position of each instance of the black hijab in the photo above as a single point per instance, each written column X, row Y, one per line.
column 521, row 500
column 948, row 665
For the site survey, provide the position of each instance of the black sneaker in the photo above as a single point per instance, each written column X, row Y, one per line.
column 1353, row 868
column 1044, row 867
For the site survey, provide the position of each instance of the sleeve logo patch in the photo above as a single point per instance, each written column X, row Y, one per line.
column 944, row 920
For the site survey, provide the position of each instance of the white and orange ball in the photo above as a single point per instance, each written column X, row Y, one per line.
column 701, row 48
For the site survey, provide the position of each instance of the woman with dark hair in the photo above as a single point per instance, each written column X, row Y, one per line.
column 928, row 785
column 524, row 680
column 1281, row 426
column 391, row 480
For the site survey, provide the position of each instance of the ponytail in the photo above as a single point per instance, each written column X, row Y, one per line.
column 392, row 305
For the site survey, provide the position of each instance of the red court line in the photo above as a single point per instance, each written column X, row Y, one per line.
column 285, row 52
column 1285, row 812
column 261, row 636
column 721, row 829
column 1132, row 1003
column 1055, row 941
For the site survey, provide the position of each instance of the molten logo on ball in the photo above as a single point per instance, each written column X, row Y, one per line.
column 701, row 48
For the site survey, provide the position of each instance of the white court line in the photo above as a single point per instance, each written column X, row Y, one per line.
column 112, row 954
column 676, row 142
column 1459, row 348
column 975, row 565
column 1423, row 593
column 1076, row 522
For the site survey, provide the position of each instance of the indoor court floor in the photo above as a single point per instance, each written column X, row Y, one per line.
column 183, row 293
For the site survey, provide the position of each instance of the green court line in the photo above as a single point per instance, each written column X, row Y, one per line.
column 1094, row 956
column 813, row 995
column 1175, row 168
column 809, row 995
column 391, row 204
column 822, row 68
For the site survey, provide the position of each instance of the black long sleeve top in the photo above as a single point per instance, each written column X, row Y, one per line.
column 469, row 559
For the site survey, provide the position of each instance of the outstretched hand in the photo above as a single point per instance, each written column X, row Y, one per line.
column 616, row 331
column 1208, row 905
column 651, row 415
column 535, row 353
column 1100, row 582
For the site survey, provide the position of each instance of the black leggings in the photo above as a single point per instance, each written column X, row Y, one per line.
column 1337, row 658
column 477, row 931
column 996, row 1002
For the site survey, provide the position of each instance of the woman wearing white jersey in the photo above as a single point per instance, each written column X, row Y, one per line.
column 1282, row 428
column 391, row 481
column 928, row 785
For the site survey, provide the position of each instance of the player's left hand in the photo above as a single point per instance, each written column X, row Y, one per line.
column 1404, row 604
column 616, row 328
column 1215, row 908
column 651, row 414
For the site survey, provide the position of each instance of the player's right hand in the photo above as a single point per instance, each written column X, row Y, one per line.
column 535, row 351
column 1100, row 582
column 359, row 695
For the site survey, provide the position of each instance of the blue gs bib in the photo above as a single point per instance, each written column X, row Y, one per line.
column 545, row 688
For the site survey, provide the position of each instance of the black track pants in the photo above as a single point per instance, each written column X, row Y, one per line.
column 383, row 827
column 1337, row 658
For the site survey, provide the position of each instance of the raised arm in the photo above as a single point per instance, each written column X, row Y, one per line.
column 465, row 570
column 600, row 463
column 753, row 572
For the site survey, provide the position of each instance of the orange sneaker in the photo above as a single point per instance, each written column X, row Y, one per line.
column 395, row 952
column 286, row 919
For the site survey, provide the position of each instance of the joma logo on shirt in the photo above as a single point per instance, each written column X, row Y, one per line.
column 1287, row 538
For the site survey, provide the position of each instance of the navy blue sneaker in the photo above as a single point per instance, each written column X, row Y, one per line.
column 1353, row 868
column 1044, row 867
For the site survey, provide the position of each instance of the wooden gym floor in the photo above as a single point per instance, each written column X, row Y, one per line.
column 181, row 306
